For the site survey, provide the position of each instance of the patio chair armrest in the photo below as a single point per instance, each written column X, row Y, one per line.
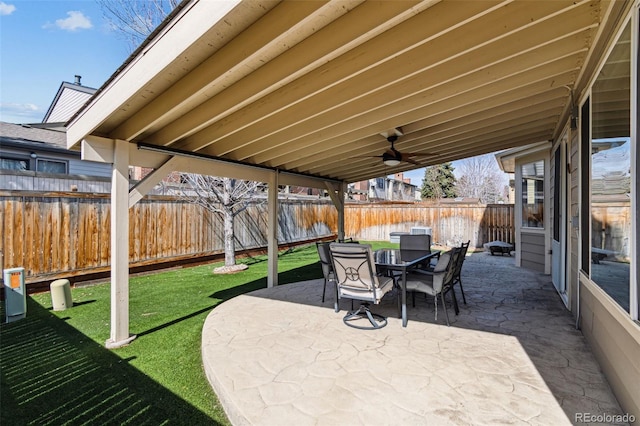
column 423, row 271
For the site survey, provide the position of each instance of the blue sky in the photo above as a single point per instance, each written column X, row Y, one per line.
column 46, row 42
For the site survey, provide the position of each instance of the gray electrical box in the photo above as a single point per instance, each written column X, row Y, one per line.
column 15, row 296
column 420, row 230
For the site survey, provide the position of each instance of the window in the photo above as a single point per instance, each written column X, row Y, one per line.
column 51, row 166
column 14, row 164
column 608, row 233
column 533, row 194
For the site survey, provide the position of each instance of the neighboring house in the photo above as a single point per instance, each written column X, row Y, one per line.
column 397, row 188
column 34, row 157
column 68, row 100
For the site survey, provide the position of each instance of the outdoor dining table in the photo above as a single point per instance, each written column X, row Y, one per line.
column 403, row 261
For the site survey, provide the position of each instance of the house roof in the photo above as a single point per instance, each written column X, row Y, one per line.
column 23, row 136
column 316, row 87
column 507, row 159
column 69, row 98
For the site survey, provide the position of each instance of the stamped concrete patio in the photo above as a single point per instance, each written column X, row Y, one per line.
column 513, row 356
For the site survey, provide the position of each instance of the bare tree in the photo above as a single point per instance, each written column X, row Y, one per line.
column 134, row 20
column 225, row 196
column 480, row 177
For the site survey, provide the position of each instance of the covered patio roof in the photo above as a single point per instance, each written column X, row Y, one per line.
column 308, row 92
column 315, row 87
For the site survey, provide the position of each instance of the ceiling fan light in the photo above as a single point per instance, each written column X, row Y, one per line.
column 391, row 162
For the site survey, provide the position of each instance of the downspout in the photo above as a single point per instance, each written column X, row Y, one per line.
column 576, row 227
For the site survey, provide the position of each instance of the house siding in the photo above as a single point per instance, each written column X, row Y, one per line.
column 615, row 341
column 532, row 248
column 67, row 104
column 47, row 182
column 89, row 168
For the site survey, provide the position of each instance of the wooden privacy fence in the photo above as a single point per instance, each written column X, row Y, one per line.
column 450, row 224
column 68, row 234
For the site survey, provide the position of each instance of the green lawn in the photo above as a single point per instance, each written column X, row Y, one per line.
column 55, row 369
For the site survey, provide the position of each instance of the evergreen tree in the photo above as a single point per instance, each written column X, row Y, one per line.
column 439, row 182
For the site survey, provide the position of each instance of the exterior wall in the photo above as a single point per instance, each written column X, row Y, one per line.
column 613, row 336
column 611, row 332
column 615, row 340
column 89, row 168
column 383, row 188
column 47, row 182
column 533, row 244
column 67, row 104
column 532, row 249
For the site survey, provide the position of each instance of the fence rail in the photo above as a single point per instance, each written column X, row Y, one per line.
column 58, row 234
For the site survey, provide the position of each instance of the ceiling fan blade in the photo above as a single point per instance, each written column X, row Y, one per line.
column 410, row 160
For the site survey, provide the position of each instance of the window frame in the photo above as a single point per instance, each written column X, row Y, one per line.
column 65, row 163
column 585, row 171
column 543, row 198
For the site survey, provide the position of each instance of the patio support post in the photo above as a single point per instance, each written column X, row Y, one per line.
column 120, row 246
column 272, row 231
column 336, row 193
column 341, row 211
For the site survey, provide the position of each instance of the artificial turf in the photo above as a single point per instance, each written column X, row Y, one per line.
column 56, row 370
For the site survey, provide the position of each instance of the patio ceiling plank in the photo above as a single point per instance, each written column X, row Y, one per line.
column 331, row 78
column 388, row 82
column 309, row 87
column 416, row 104
column 299, row 60
column 231, row 62
column 478, row 96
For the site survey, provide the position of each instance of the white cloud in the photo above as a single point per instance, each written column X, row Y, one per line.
column 20, row 113
column 76, row 21
column 6, row 9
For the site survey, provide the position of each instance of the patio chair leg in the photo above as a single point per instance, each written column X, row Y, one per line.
column 446, row 315
column 455, row 301
column 462, row 291
column 435, row 300
column 324, row 289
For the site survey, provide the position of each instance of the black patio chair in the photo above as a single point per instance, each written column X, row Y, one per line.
column 438, row 282
column 456, row 278
column 324, row 253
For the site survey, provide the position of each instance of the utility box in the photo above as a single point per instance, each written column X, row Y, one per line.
column 394, row 237
column 420, row 230
column 15, row 295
